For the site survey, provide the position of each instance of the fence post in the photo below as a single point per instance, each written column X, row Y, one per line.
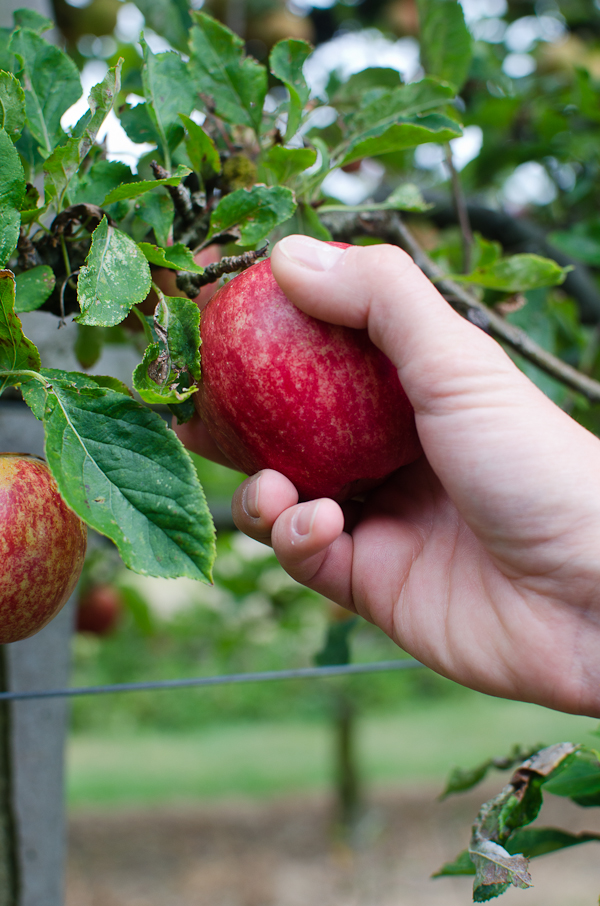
column 33, row 734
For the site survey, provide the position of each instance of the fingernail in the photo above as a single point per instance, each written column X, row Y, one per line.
column 318, row 256
column 304, row 518
column 250, row 498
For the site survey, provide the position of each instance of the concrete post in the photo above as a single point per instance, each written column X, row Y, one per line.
column 33, row 766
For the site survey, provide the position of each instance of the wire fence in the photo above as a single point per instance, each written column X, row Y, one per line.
column 225, row 679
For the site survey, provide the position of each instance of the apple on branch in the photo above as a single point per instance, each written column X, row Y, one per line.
column 42, row 547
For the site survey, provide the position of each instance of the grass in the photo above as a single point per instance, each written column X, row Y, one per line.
column 418, row 744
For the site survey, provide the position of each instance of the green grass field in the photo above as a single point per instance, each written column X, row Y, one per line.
column 418, row 744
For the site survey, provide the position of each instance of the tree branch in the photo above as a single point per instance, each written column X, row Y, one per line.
column 389, row 226
column 191, row 284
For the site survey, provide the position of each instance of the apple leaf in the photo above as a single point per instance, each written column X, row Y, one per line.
column 577, row 777
column 30, row 18
column 234, row 84
column 178, row 257
column 115, row 277
column 389, row 107
column 445, row 41
column 64, row 162
column 103, row 176
column 33, row 287
column 496, row 870
column 12, row 193
column 202, row 151
column 51, row 83
column 253, row 212
column 135, row 189
column 120, row 467
column 12, row 105
column 285, row 163
column 157, row 210
column 404, row 133
column 17, row 353
column 406, row 197
column 516, row 273
column 168, row 93
column 537, row 841
column 172, row 365
column 462, row 865
column 286, row 62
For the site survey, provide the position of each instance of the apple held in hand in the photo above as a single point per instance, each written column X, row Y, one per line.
column 42, row 547
column 315, row 401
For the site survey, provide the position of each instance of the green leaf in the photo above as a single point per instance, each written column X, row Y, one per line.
column 578, row 777
column 172, row 365
column 168, row 18
column 310, row 224
column 115, row 277
column 537, row 841
column 29, row 18
column 396, row 106
column 202, row 151
column 178, row 257
column 286, row 62
column 462, row 779
column 406, row 197
column 235, row 84
column 168, row 93
column 138, row 124
column 336, row 649
column 103, row 176
column 409, row 133
column 581, row 241
column 12, row 105
column 157, row 210
column 286, row 163
column 12, row 193
column 120, row 467
column 88, row 345
column 51, row 82
column 446, row 43
column 357, row 89
column 64, row 162
column 33, row 287
column 253, row 212
column 462, row 865
column 17, row 353
column 135, row 189
column 517, row 273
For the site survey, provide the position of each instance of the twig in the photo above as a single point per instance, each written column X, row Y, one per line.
column 180, row 194
column 191, row 284
column 62, row 320
column 462, row 213
column 388, row 225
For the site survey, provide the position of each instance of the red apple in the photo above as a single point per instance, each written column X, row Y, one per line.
column 42, row 547
column 99, row 610
column 315, row 401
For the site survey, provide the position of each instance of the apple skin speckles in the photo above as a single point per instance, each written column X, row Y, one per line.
column 315, row 401
column 42, row 547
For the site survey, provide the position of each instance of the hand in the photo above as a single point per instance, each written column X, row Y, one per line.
column 483, row 558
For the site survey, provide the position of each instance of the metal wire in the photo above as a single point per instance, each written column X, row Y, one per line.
column 262, row 677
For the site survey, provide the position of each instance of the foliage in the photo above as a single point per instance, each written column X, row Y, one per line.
column 228, row 169
column 502, row 843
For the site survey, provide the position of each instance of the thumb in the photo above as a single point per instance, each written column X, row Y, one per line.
column 380, row 288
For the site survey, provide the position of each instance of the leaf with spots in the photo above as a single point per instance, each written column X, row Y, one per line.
column 115, row 277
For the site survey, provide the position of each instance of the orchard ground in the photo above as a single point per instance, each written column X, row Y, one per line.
column 240, row 814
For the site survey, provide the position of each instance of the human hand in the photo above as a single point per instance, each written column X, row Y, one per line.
column 482, row 560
